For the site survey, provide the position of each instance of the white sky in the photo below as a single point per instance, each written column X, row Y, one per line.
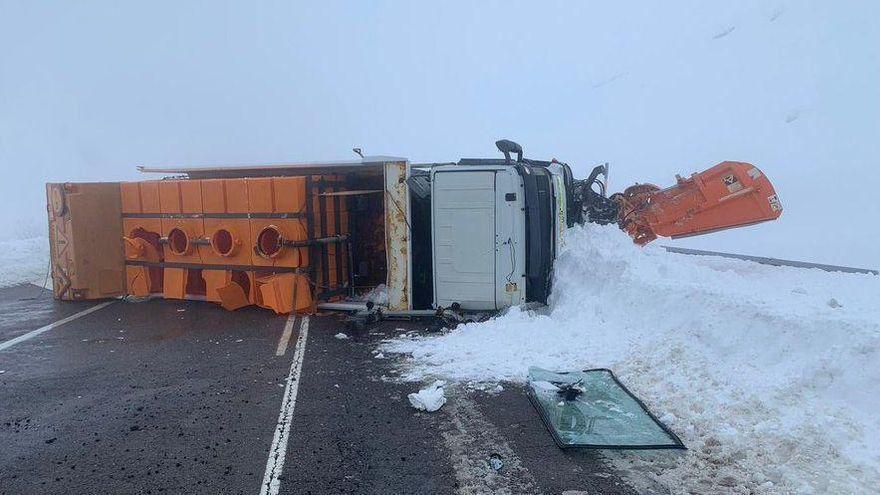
column 89, row 90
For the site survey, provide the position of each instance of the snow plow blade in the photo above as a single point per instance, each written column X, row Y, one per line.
column 728, row 195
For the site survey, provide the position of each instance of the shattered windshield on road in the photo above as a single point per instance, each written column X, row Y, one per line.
column 592, row 409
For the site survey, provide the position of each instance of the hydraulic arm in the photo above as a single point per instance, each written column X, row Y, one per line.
column 728, row 195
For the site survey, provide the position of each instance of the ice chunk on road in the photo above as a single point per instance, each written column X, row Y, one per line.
column 341, row 336
column 429, row 399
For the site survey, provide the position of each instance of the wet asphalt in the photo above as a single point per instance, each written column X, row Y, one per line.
column 176, row 396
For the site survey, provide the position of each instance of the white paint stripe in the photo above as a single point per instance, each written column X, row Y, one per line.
column 285, row 336
column 275, row 464
column 34, row 333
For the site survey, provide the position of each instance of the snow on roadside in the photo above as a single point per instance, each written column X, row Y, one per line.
column 23, row 261
column 770, row 375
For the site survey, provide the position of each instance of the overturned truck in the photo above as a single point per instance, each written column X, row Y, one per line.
column 477, row 234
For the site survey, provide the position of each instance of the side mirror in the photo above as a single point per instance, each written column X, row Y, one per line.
column 507, row 147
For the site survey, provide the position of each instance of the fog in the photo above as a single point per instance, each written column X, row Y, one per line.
column 89, row 90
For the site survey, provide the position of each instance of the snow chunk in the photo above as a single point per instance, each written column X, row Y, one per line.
column 429, row 399
column 341, row 336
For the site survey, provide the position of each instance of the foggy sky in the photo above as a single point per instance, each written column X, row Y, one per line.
column 89, row 90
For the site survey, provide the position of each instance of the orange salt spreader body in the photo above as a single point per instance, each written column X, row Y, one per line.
column 728, row 195
column 235, row 241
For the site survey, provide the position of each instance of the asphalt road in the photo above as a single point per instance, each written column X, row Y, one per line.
column 173, row 396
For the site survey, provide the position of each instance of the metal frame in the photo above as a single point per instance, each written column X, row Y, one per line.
column 398, row 245
column 772, row 261
column 213, row 215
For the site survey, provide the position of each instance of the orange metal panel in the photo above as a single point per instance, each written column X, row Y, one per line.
column 213, row 196
column 150, row 197
column 182, row 234
column 290, row 229
column 290, row 194
column 131, row 197
column 343, row 220
column 131, row 226
column 149, row 230
column 215, row 279
column 276, row 194
column 169, row 196
column 227, row 288
column 260, row 196
column 285, row 292
column 330, row 216
column 233, row 297
column 190, row 196
column 224, row 196
column 230, row 241
column 236, row 195
column 175, row 283
column 254, row 292
column 138, row 280
column 86, row 250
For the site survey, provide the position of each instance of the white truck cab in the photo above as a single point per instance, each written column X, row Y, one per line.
column 495, row 228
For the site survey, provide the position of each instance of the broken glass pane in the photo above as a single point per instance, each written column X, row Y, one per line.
column 592, row 409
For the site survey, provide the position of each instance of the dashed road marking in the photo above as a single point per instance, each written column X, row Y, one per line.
column 275, row 464
column 285, row 336
column 34, row 333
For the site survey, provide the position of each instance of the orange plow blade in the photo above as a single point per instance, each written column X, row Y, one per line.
column 728, row 195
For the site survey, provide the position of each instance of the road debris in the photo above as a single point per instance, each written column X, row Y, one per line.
column 429, row 399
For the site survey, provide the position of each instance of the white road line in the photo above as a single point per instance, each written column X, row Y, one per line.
column 285, row 336
column 275, row 464
column 34, row 333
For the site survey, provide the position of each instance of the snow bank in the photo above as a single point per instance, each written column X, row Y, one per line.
column 24, row 260
column 770, row 375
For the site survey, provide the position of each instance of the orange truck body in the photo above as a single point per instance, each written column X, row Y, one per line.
column 233, row 241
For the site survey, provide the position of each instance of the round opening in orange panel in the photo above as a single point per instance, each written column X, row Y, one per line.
column 178, row 241
column 222, row 242
column 269, row 242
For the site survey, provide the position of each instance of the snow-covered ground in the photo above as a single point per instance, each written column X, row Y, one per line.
column 24, row 260
column 770, row 375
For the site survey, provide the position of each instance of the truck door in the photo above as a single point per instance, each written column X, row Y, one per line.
column 463, row 213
